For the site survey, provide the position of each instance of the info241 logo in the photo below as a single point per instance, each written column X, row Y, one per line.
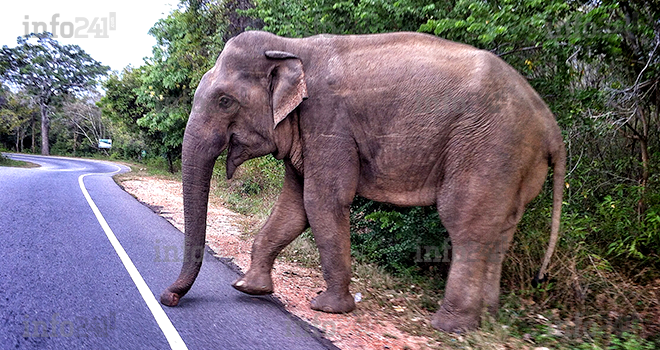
column 82, row 28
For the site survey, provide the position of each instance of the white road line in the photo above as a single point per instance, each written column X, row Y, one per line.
column 163, row 321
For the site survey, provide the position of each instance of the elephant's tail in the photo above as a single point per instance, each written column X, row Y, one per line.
column 558, row 162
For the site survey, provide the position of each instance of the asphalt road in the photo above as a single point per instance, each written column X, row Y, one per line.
column 66, row 283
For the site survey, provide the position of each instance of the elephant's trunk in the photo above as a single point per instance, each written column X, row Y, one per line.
column 198, row 158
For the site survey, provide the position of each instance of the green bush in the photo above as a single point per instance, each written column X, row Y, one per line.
column 635, row 235
column 254, row 186
column 630, row 341
column 399, row 239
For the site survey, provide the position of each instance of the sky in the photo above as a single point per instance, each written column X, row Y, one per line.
column 114, row 33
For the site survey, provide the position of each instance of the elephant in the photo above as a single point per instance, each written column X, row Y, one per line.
column 408, row 119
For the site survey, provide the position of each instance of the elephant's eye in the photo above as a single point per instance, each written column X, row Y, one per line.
column 225, row 102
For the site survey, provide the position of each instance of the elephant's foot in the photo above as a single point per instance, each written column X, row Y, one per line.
column 336, row 303
column 169, row 298
column 454, row 321
column 254, row 284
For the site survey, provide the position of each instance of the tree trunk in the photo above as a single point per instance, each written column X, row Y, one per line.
column 18, row 136
column 643, row 137
column 75, row 142
column 170, row 162
column 45, row 130
column 32, row 122
column 644, row 149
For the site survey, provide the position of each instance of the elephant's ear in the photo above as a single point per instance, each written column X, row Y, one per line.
column 288, row 87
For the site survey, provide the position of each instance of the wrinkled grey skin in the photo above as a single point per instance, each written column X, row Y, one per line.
column 404, row 118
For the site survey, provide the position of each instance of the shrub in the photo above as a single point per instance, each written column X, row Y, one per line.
column 397, row 238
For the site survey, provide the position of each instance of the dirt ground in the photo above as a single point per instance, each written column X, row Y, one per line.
column 295, row 286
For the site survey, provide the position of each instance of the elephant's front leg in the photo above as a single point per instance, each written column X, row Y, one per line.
column 287, row 221
column 330, row 224
column 329, row 193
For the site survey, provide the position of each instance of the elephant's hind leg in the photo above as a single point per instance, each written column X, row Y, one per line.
column 287, row 221
column 480, row 228
column 463, row 301
column 491, row 286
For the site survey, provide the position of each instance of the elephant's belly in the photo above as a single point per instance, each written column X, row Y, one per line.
column 398, row 180
column 396, row 195
column 404, row 178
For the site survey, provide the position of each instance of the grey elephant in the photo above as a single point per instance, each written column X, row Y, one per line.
column 404, row 118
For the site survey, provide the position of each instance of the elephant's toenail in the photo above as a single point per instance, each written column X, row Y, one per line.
column 240, row 283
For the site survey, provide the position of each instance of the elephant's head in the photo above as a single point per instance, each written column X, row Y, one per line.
column 240, row 105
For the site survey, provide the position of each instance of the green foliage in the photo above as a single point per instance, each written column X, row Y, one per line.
column 635, row 235
column 49, row 71
column 502, row 26
column 120, row 102
column 309, row 17
column 153, row 101
column 630, row 341
column 121, row 106
column 188, row 41
column 18, row 112
column 254, row 186
column 397, row 238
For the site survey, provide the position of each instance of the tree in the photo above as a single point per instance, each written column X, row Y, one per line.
column 634, row 93
column 17, row 113
column 121, row 106
column 84, row 120
column 48, row 71
column 188, row 42
column 153, row 101
column 120, row 102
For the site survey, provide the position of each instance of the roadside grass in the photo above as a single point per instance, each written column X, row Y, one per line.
column 5, row 161
column 252, row 191
column 155, row 168
column 140, row 170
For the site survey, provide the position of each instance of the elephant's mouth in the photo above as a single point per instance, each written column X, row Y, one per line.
column 233, row 156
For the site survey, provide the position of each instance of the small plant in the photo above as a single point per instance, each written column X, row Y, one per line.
column 630, row 341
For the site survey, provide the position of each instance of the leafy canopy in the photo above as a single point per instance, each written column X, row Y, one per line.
column 45, row 68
